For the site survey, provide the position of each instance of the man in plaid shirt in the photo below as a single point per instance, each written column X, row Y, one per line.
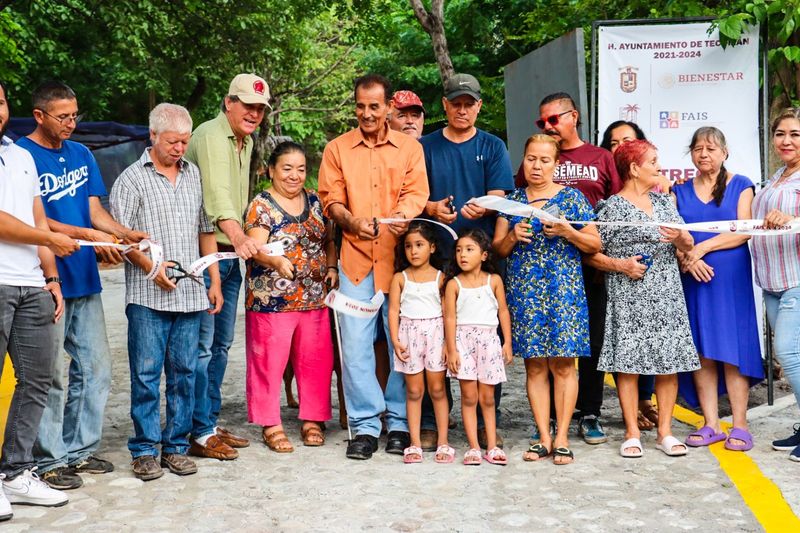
column 161, row 194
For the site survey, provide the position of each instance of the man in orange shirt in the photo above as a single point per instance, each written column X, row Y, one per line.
column 369, row 173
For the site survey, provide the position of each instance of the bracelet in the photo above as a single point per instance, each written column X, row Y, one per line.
column 53, row 279
column 333, row 268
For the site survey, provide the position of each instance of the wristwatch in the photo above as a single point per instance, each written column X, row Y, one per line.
column 53, row 279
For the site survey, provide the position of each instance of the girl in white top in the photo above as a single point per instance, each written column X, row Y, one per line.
column 475, row 303
column 417, row 333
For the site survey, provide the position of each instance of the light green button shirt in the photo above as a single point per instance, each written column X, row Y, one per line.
column 225, row 171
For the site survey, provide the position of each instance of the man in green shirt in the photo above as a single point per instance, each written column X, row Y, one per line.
column 222, row 148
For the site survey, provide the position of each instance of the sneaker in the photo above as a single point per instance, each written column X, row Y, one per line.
column 789, row 443
column 28, row 489
column 795, row 455
column 62, row 478
column 92, row 465
column 590, row 429
column 5, row 506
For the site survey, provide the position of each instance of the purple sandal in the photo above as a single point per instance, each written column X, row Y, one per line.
column 708, row 436
column 742, row 435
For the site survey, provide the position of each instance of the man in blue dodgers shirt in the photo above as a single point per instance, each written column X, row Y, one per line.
column 464, row 162
column 71, row 187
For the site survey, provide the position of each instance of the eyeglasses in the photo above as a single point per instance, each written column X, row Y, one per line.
column 65, row 119
column 552, row 119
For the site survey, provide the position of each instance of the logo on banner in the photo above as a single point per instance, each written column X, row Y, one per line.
column 668, row 119
column 667, row 81
column 629, row 113
column 627, row 79
column 672, row 119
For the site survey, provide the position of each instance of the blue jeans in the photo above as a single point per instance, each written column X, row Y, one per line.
column 70, row 432
column 28, row 333
column 363, row 395
column 783, row 313
column 216, row 337
column 161, row 340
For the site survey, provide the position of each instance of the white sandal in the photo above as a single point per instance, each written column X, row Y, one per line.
column 668, row 443
column 631, row 443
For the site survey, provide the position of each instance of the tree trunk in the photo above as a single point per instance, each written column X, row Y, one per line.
column 197, row 94
column 433, row 24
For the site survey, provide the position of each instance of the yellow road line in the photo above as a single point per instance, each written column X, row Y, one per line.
column 759, row 493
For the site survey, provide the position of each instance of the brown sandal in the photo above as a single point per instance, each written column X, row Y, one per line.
column 277, row 441
column 312, row 436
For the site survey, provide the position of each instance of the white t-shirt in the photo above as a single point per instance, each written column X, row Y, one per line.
column 19, row 184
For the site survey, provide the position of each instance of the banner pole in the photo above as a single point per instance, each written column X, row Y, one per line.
column 341, row 364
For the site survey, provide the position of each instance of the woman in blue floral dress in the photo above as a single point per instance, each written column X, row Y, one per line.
column 544, row 287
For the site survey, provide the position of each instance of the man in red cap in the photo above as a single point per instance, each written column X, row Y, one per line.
column 407, row 114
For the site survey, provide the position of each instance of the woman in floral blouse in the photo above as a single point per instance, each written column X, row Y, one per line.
column 286, row 316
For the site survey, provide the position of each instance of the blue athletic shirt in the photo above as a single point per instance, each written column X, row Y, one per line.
column 467, row 170
column 68, row 176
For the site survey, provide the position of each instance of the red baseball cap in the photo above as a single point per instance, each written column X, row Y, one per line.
column 406, row 99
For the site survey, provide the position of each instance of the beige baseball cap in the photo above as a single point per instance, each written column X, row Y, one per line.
column 250, row 89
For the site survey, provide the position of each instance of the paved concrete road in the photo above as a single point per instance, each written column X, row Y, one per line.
column 318, row 488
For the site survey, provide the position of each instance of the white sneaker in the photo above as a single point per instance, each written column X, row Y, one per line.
column 28, row 489
column 5, row 505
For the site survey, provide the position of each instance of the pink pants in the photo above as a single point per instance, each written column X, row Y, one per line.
column 272, row 340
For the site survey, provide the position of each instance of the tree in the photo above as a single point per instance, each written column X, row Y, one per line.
column 433, row 23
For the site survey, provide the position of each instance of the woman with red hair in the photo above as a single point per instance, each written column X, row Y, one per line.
column 647, row 328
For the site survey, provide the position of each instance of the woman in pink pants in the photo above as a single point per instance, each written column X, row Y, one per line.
column 286, row 316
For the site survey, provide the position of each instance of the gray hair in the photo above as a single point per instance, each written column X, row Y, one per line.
column 170, row 117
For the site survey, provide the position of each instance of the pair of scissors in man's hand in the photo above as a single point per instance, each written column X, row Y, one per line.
column 182, row 273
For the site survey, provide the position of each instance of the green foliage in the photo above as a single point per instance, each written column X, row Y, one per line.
column 782, row 21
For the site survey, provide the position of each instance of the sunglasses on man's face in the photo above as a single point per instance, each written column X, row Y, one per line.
column 552, row 119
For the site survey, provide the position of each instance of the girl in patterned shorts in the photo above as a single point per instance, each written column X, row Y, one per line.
column 417, row 332
column 475, row 303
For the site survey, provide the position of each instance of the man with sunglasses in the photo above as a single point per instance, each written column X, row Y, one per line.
column 591, row 170
column 164, row 314
column 71, row 187
column 464, row 162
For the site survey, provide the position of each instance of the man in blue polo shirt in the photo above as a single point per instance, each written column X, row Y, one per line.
column 464, row 162
column 71, row 187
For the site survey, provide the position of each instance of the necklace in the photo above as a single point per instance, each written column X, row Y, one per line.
column 472, row 286
column 275, row 195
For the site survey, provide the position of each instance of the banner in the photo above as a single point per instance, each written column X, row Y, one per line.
column 671, row 79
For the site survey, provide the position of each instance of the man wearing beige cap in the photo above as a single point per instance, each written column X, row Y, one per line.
column 407, row 114
column 222, row 148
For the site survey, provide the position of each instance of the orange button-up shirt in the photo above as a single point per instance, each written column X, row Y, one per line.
column 373, row 181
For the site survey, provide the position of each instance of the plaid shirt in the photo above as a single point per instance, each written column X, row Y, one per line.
column 775, row 257
column 143, row 199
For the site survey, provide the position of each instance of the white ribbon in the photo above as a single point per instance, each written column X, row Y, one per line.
column 352, row 307
column 445, row 226
column 743, row 227
column 195, row 269
column 271, row 249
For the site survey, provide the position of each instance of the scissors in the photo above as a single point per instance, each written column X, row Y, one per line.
column 176, row 266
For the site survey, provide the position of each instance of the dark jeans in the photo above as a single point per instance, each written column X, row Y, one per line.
column 216, row 337
column 28, row 333
column 590, row 380
column 161, row 341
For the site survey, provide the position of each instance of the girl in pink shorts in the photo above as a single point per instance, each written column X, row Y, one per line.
column 475, row 303
column 417, row 333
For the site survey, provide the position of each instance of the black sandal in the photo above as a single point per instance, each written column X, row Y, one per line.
column 563, row 452
column 539, row 449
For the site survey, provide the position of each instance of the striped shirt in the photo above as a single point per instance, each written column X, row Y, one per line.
column 143, row 199
column 777, row 257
